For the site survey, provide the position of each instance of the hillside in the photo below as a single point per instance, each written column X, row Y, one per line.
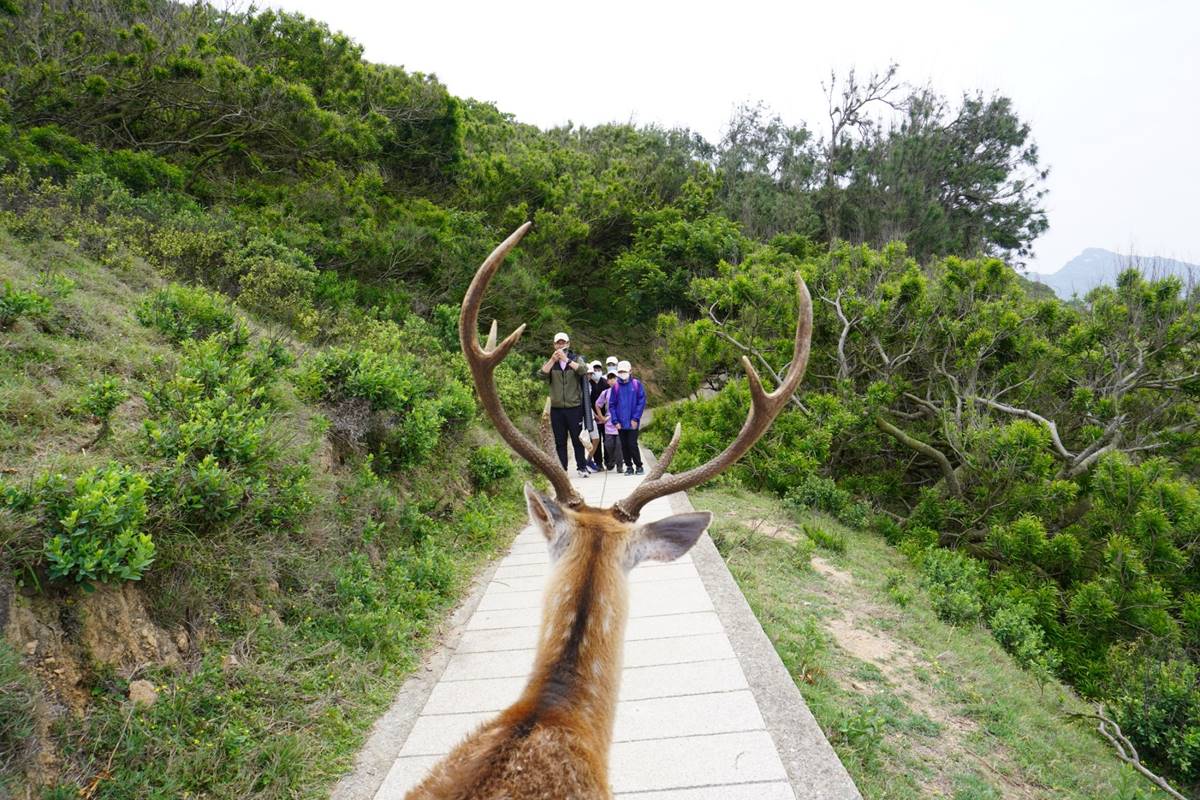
column 1098, row 267
column 285, row 588
column 915, row 706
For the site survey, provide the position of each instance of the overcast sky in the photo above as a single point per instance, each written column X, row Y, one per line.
column 1112, row 90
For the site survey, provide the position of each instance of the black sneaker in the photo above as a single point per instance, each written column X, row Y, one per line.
column 639, row 471
column 629, row 470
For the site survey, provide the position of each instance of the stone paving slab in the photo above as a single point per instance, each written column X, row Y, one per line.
column 690, row 725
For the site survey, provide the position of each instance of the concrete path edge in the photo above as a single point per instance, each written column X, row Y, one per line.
column 797, row 736
column 390, row 731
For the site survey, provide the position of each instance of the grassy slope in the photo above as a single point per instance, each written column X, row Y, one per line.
column 273, row 697
column 914, row 707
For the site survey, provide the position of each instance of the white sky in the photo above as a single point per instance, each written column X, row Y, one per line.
column 1111, row 89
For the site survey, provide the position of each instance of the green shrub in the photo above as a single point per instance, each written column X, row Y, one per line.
column 861, row 729
column 96, row 522
column 823, row 494
column 888, row 528
column 279, row 285
column 15, row 303
column 388, row 383
column 1015, row 627
column 384, row 402
column 1155, row 698
column 456, row 404
column 413, row 436
column 489, row 464
column 381, row 608
column 833, row 539
column 202, row 491
column 802, row 552
column 100, row 398
column 184, row 312
column 211, row 423
column 896, row 586
column 954, row 581
column 223, row 422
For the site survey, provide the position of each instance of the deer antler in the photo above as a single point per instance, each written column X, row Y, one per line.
column 483, row 365
column 764, row 408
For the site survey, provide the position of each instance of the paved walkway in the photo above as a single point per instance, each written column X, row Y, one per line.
column 688, row 726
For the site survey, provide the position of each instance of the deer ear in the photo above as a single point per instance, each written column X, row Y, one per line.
column 544, row 513
column 667, row 539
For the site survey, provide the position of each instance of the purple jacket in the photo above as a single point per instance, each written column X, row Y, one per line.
column 627, row 401
column 602, row 408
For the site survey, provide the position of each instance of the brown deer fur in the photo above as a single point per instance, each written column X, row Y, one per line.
column 553, row 742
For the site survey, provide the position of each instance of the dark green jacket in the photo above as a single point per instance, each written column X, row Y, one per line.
column 565, row 388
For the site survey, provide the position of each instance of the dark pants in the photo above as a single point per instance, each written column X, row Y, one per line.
column 612, row 450
column 629, row 447
column 565, row 421
column 598, row 453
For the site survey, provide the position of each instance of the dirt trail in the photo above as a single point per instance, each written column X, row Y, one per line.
column 857, row 631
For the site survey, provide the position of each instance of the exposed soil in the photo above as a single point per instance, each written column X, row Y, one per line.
column 785, row 533
column 858, row 633
column 65, row 639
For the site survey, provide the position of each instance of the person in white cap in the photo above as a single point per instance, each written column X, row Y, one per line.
column 597, row 385
column 627, row 402
column 568, row 394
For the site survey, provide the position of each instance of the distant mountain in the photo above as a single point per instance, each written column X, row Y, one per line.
column 1095, row 266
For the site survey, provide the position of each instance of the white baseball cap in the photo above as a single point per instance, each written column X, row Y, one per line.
column 624, row 366
column 561, row 337
column 610, row 360
column 595, row 364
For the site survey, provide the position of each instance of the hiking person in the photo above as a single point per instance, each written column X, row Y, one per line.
column 628, row 401
column 612, row 434
column 596, row 386
column 564, row 371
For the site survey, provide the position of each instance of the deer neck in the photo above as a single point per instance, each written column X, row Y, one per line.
column 576, row 674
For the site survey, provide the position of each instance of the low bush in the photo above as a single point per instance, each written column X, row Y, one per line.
column 897, row 587
column 184, row 312
column 278, row 284
column 954, row 581
column 381, row 608
column 15, row 303
column 101, row 398
column 95, row 523
column 489, row 465
column 1155, row 698
column 1015, row 626
column 833, row 539
column 823, row 494
column 383, row 403
column 211, row 424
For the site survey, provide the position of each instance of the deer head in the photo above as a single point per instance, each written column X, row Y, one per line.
column 554, row 741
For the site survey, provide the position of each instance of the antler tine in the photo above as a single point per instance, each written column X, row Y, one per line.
column 664, row 461
column 483, row 365
column 764, row 407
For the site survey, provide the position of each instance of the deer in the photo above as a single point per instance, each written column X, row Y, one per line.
column 553, row 743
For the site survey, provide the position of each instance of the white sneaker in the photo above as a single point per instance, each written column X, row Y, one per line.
column 583, row 473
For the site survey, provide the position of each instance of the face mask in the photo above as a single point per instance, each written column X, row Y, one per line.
column 623, row 376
